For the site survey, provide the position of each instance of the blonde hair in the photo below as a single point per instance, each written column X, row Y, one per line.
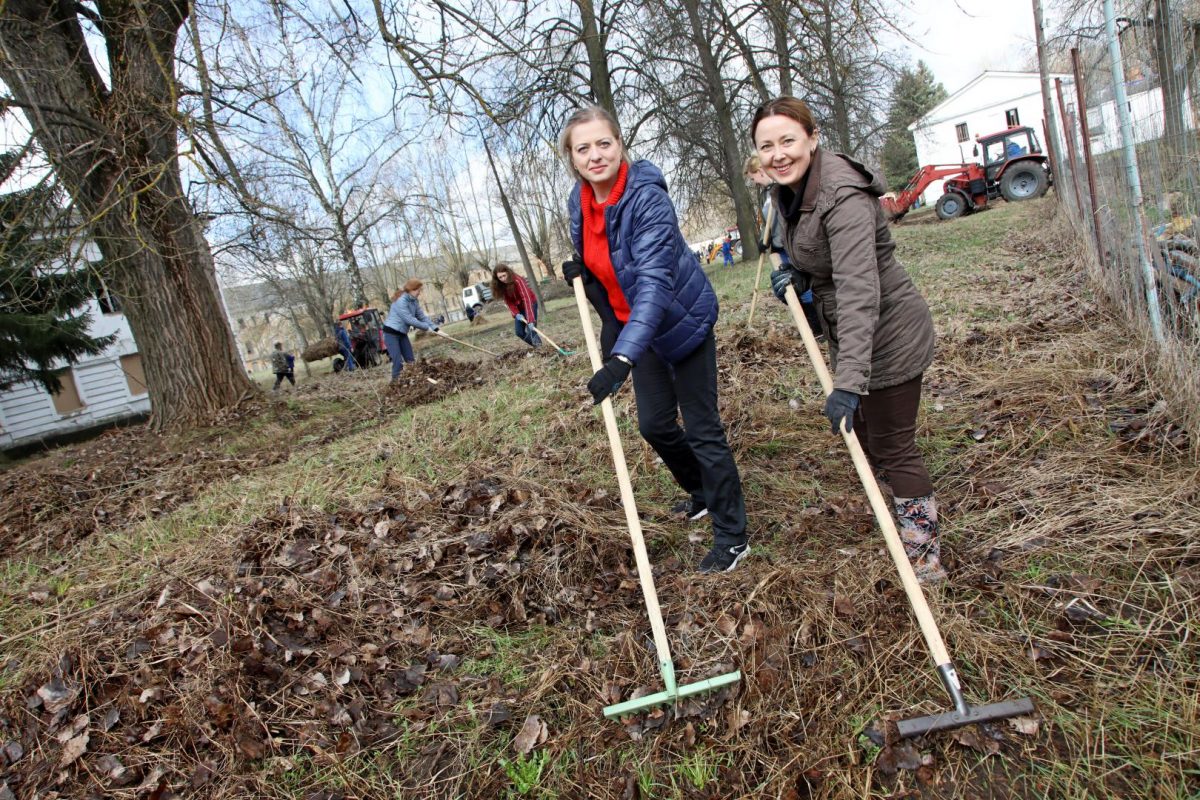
column 753, row 164
column 413, row 284
column 579, row 117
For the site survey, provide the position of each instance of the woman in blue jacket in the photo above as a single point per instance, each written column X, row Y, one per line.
column 405, row 313
column 658, row 311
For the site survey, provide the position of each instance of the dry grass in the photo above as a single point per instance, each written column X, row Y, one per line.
column 381, row 613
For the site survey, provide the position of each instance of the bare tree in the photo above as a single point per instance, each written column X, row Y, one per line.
column 112, row 141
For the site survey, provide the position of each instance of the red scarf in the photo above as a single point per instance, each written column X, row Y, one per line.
column 595, row 241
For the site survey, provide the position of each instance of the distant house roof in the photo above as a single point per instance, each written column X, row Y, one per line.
column 935, row 114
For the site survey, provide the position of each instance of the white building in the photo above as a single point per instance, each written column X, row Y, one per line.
column 96, row 391
column 1145, row 113
column 991, row 103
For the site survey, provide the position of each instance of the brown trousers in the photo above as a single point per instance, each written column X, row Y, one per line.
column 886, row 424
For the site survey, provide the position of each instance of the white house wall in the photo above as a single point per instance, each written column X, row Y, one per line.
column 981, row 104
column 1146, row 114
column 27, row 411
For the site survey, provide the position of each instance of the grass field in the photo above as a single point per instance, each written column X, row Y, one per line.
column 353, row 590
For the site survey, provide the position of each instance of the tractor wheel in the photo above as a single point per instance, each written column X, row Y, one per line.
column 951, row 205
column 1024, row 182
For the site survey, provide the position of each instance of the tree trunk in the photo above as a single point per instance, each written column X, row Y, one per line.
column 723, row 116
column 596, row 44
column 115, row 152
column 1047, row 106
column 781, row 37
column 1170, row 81
column 516, row 230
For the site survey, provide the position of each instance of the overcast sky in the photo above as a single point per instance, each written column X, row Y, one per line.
column 958, row 39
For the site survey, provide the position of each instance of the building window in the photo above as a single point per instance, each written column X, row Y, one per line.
column 109, row 303
column 1011, row 118
column 66, row 399
column 960, row 130
column 135, row 377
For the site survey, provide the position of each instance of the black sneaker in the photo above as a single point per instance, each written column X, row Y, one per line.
column 724, row 558
column 692, row 508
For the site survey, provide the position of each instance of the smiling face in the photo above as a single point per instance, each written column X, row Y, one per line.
column 785, row 147
column 596, row 154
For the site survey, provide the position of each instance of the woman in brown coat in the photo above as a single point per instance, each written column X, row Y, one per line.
column 879, row 329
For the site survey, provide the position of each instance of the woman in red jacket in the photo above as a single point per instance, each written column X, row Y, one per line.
column 521, row 301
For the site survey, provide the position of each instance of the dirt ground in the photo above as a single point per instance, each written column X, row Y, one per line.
column 426, row 590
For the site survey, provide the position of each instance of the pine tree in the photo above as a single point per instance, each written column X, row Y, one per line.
column 41, row 293
column 915, row 93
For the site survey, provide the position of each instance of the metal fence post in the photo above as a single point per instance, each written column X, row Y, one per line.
column 1069, row 136
column 1089, row 163
column 1131, row 171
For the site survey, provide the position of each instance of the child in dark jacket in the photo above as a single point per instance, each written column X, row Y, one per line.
column 281, row 363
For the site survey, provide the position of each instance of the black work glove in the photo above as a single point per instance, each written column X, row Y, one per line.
column 573, row 269
column 840, row 405
column 785, row 277
column 608, row 379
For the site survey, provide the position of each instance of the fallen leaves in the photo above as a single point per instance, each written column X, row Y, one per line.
column 533, row 732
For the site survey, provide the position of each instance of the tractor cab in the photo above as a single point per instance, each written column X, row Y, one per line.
column 1000, row 148
column 366, row 323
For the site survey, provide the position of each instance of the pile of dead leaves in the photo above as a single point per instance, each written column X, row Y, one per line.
column 433, row 379
column 124, row 476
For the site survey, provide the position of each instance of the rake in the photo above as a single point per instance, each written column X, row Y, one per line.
column 561, row 352
column 464, row 344
column 672, row 692
column 770, row 219
column 963, row 713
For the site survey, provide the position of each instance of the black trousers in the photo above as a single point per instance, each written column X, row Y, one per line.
column 697, row 454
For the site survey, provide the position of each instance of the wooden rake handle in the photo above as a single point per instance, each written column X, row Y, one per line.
column 464, row 344
column 539, row 332
column 767, row 223
column 916, row 597
column 645, row 575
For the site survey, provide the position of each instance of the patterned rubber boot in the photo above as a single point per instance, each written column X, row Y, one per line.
column 919, row 532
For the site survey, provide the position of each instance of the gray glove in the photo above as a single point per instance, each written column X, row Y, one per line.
column 785, row 277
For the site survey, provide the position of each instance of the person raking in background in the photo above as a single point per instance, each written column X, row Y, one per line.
column 657, row 311
column 753, row 169
column 281, row 364
column 405, row 313
column 345, row 346
column 521, row 301
column 879, row 328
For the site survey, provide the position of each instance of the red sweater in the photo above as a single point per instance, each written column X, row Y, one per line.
column 520, row 298
column 595, row 241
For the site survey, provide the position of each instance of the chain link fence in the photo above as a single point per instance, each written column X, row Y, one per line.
column 1128, row 127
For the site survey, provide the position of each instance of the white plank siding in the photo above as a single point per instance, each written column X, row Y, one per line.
column 27, row 411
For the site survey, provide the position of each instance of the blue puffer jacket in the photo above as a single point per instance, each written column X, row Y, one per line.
column 672, row 306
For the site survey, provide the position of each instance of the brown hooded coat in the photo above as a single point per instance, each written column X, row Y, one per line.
column 879, row 328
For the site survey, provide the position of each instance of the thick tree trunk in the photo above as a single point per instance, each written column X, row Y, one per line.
column 115, row 151
column 723, row 116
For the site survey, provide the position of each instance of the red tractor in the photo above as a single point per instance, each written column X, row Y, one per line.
column 1014, row 167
